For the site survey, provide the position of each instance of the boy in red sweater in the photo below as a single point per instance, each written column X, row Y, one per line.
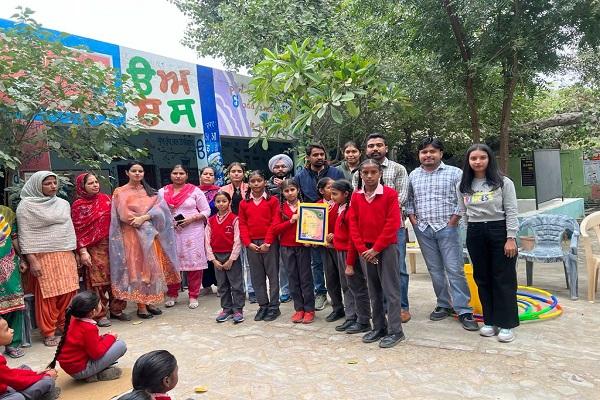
column 23, row 383
column 82, row 352
column 374, row 223
column 256, row 214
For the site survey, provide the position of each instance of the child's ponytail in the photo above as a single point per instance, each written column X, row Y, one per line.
column 52, row 364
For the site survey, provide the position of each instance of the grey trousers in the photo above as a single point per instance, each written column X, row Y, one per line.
column 263, row 266
column 116, row 351
column 332, row 277
column 383, row 280
column 33, row 392
column 302, row 290
column 356, row 293
column 230, row 284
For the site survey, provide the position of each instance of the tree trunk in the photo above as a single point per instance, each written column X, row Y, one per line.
column 465, row 53
column 510, row 83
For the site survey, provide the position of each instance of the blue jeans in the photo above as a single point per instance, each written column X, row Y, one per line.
column 402, row 234
column 443, row 254
column 316, row 264
column 284, row 283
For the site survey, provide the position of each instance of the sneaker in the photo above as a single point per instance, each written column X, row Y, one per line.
column 506, row 335
column 320, row 302
column 238, row 317
column 391, row 340
column 488, row 331
column 298, row 317
column 347, row 324
column 224, row 316
column 285, row 298
column 309, row 317
column 440, row 313
column 272, row 314
column 252, row 298
column 468, row 322
column 110, row 374
column 193, row 304
column 170, row 302
column 52, row 394
column 260, row 314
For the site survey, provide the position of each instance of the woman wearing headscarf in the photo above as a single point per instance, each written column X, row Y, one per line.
column 47, row 239
column 11, row 291
column 91, row 218
column 142, row 246
column 190, row 211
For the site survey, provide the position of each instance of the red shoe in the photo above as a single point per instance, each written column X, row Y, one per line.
column 298, row 317
column 309, row 317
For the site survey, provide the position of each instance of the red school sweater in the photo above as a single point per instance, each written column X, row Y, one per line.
column 332, row 215
column 256, row 220
column 375, row 223
column 284, row 229
column 341, row 236
column 82, row 344
column 222, row 234
column 18, row 379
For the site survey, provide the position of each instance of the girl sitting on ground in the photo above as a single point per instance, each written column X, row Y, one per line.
column 82, row 352
column 155, row 372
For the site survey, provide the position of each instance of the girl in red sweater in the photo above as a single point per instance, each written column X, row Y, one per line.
column 329, row 255
column 374, row 222
column 296, row 256
column 258, row 211
column 82, row 352
column 157, row 373
column 356, row 294
column 23, row 383
column 222, row 238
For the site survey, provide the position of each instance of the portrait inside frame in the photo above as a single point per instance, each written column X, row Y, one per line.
column 312, row 223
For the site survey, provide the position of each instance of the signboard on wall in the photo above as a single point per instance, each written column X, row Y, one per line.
column 527, row 172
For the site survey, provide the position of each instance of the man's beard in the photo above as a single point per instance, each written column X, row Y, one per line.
column 281, row 175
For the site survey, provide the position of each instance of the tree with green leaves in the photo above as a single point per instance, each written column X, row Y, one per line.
column 55, row 98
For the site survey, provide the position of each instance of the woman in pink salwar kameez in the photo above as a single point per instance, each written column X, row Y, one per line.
column 190, row 210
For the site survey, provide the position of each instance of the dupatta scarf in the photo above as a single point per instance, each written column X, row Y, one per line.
column 91, row 215
column 175, row 200
column 143, row 276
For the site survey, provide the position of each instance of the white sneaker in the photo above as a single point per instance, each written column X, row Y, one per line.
column 488, row 331
column 170, row 302
column 193, row 304
column 506, row 335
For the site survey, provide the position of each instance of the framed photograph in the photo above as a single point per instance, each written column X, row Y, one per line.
column 312, row 223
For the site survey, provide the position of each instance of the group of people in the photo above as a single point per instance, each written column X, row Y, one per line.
column 134, row 245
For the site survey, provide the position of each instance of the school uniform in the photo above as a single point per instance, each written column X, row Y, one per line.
column 330, row 263
column 222, row 237
column 255, row 220
column 85, row 352
column 354, row 287
column 296, row 257
column 22, row 383
column 374, row 223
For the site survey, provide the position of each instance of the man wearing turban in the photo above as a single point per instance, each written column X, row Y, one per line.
column 281, row 166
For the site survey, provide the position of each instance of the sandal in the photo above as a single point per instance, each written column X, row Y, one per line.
column 51, row 341
column 121, row 317
column 104, row 322
column 153, row 310
column 14, row 352
column 171, row 301
column 144, row 315
column 193, row 304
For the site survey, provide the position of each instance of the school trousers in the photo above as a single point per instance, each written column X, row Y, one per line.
column 33, row 392
column 112, row 355
column 332, row 278
column 297, row 261
column 356, row 294
column 494, row 273
column 383, row 281
column 230, row 284
column 263, row 266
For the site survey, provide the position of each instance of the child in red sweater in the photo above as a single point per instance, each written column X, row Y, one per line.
column 82, row 352
column 356, row 296
column 156, row 373
column 374, row 223
column 258, row 211
column 296, row 256
column 222, row 239
column 23, row 383
column 329, row 255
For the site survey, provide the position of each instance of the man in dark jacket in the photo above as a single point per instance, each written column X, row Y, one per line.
column 307, row 179
column 281, row 166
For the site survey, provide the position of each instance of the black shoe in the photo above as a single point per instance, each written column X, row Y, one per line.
column 260, row 314
column 154, row 310
column 121, row 317
column 440, row 313
column 391, row 340
column 144, row 315
column 272, row 314
column 347, row 324
column 335, row 315
column 468, row 322
column 357, row 327
column 374, row 336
